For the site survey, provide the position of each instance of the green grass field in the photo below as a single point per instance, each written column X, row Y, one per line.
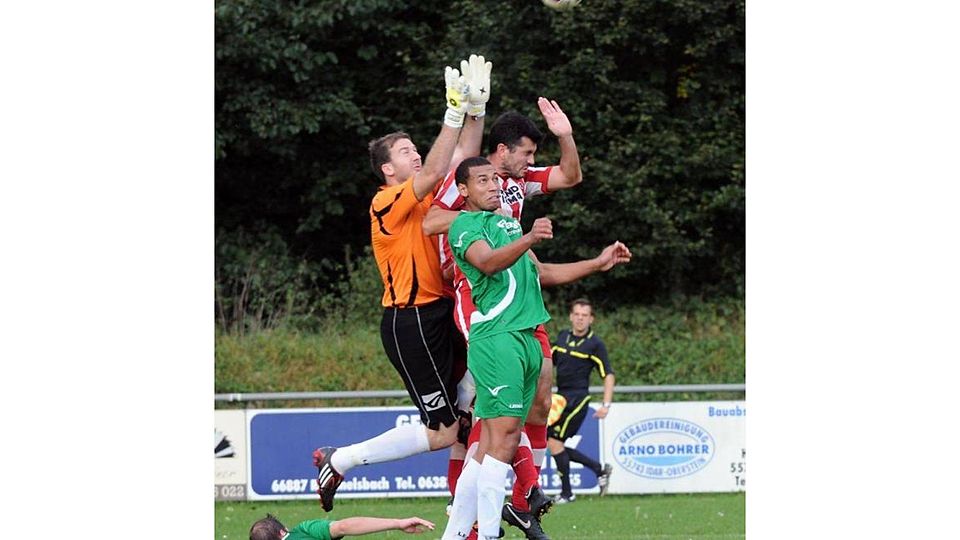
column 704, row 516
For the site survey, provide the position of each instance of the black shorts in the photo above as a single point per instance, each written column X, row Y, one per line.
column 419, row 342
column 570, row 420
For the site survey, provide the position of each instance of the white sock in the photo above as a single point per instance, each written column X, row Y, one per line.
column 464, row 510
column 490, row 490
column 539, row 455
column 397, row 443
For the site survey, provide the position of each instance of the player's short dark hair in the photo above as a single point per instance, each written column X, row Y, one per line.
column 463, row 170
column 380, row 151
column 268, row 528
column 581, row 302
column 509, row 128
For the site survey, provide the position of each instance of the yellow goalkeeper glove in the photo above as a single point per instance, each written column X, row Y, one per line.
column 457, row 101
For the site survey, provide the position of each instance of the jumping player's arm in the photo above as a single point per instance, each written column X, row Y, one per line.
column 469, row 143
column 438, row 220
column 568, row 173
column 477, row 74
column 559, row 274
column 365, row 525
column 438, row 159
column 439, row 155
column 490, row 261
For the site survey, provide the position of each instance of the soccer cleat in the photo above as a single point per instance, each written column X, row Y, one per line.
column 562, row 499
column 449, row 506
column 539, row 503
column 603, row 480
column 328, row 478
column 523, row 521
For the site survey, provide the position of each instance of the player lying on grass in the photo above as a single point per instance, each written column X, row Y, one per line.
column 270, row 528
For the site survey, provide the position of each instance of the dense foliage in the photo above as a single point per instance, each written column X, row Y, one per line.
column 684, row 342
column 654, row 89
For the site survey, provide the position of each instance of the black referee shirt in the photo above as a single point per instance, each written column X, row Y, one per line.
column 575, row 357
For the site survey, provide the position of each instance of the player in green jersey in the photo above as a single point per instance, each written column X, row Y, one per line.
column 270, row 528
column 503, row 355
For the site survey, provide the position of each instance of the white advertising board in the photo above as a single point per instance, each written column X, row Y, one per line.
column 676, row 447
column 230, row 455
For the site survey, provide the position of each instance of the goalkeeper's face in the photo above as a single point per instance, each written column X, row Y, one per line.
column 404, row 159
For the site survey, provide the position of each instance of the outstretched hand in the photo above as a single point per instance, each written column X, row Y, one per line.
column 457, row 101
column 413, row 525
column 477, row 74
column 614, row 254
column 556, row 119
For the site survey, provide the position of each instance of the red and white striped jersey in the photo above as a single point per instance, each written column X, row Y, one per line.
column 513, row 191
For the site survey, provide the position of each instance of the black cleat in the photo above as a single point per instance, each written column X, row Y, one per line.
column 525, row 521
column 539, row 503
column 328, row 478
column 603, row 480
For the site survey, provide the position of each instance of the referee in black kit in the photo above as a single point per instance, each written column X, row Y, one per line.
column 577, row 352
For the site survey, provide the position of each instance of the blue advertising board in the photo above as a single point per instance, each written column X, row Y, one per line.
column 282, row 441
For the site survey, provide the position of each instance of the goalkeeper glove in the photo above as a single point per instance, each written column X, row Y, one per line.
column 477, row 73
column 457, row 103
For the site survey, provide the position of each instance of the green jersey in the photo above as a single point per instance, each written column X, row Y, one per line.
column 509, row 300
column 312, row 529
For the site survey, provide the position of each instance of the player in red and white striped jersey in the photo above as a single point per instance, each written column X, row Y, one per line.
column 512, row 145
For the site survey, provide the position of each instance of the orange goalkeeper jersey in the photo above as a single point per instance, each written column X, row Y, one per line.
column 409, row 261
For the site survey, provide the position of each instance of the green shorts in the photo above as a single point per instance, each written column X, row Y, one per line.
column 505, row 368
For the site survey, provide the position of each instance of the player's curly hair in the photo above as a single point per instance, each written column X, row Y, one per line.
column 380, row 151
column 268, row 528
column 509, row 128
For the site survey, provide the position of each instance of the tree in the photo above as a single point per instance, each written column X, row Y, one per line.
column 655, row 91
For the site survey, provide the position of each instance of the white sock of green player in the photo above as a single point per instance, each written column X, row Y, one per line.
column 397, row 443
column 464, row 510
column 493, row 474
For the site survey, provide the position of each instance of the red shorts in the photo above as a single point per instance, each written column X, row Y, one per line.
column 541, row 334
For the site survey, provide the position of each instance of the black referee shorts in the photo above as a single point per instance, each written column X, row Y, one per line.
column 570, row 420
column 419, row 342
